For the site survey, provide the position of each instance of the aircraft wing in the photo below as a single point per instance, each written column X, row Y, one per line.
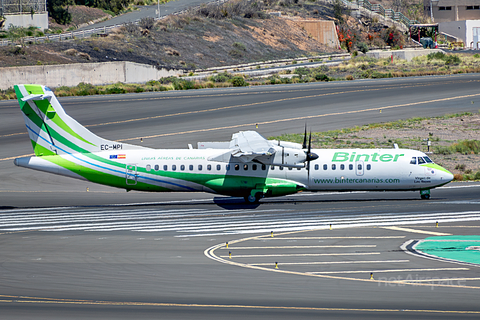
column 247, row 145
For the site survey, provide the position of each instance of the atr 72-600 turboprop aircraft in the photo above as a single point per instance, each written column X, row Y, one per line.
column 248, row 166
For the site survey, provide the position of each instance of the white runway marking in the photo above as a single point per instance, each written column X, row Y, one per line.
column 193, row 222
column 330, row 262
column 391, row 270
column 300, row 255
column 418, row 231
column 303, row 247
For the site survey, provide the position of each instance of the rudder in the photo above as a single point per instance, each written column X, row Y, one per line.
column 52, row 131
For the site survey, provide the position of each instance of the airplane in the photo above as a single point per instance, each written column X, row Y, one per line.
column 247, row 166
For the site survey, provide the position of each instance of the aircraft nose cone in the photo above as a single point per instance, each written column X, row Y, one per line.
column 448, row 176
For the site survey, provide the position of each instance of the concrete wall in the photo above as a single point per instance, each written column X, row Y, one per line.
column 322, row 31
column 407, row 54
column 26, row 20
column 93, row 73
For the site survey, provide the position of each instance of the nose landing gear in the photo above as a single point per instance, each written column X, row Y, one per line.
column 425, row 194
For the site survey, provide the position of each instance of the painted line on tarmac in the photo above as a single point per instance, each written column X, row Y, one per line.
column 441, row 279
column 329, row 262
column 304, row 247
column 390, row 270
column 210, row 253
column 301, row 255
column 40, row 300
column 332, row 238
column 299, row 118
column 417, row 231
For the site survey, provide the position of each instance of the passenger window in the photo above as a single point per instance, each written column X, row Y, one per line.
column 254, row 167
column 245, row 167
column 420, row 160
column 325, row 167
column 290, row 168
column 237, row 167
column 427, row 160
column 272, row 168
column 227, row 167
column 200, row 167
column 281, row 168
column 299, row 168
column 413, row 161
column 182, row 167
column 219, row 167
column 264, row 167
column 316, row 167
column 148, row 167
column 350, row 167
column 157, row 167
column 209, row 167
column 165, row 167
column 334, row 166
column 342, row 167
column 190, row 167
column 359, row 167
column 369, row 166
column 174, row 167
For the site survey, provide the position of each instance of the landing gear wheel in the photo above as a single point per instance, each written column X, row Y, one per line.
column 425, row 196
column 254, row 199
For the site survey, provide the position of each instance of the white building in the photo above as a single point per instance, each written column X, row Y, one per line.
column 467, row 31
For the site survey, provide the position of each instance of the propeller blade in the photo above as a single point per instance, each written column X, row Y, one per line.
column 304, row 145
column 310, row 142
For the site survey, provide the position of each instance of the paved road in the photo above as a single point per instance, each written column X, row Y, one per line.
column 174, row 119
column 149, row 11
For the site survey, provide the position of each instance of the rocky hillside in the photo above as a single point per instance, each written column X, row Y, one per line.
column 214, row 35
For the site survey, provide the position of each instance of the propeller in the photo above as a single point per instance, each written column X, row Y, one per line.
column 310, row 156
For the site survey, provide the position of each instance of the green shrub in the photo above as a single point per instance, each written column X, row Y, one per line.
column 322, row 77
column 221, row 77
column 115, row 90
column 238, row 81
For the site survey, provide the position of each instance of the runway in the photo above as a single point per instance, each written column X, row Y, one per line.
column 102, row 253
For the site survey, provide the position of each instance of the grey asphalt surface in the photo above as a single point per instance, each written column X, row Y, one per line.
column 58, row 273
column 148, row 11
column 53, row 266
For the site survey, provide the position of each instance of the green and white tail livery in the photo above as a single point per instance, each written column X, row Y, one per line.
column 248, row 165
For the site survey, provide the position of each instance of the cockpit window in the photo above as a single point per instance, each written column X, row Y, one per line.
column 414, row 160
column 420, row 160
column 427, row 160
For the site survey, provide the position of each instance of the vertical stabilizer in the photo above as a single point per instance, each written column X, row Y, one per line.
column 52, row 131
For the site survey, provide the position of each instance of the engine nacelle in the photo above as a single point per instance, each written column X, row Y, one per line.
column 285, row 157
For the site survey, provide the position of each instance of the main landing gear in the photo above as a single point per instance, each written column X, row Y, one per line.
column 254, row 198
column 425, row 194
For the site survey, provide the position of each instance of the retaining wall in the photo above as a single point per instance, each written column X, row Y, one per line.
column 39, row 20
column 322, row 31
column 72, row 74
column 401, row 54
